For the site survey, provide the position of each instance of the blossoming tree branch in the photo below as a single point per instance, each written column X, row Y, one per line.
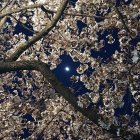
column 28, row 87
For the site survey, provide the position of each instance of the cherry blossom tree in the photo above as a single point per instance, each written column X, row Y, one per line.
column 34, row 101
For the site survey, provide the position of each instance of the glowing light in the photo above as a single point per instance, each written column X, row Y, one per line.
column 67, row 69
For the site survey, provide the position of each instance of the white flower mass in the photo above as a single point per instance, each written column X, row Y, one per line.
column 32, row 90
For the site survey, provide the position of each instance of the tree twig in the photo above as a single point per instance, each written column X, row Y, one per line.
column 49, row 11
column 21, row 9
column 5, row 6
column 41, row 34
column 122, row 20
column 21, row 24
column 3, row 20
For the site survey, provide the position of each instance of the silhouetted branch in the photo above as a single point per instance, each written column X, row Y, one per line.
column 60, row 89
column 3, row 20
column 122, row 20
column 24, row 26
column 5, row 6
column 21, row 9
column 38, row 36
column 48, row 11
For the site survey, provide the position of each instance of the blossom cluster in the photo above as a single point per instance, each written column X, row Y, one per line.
column 28, row 93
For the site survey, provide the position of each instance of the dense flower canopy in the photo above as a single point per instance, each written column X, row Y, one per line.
column 102, row 36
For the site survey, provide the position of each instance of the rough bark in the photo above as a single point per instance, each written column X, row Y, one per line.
column 41, row 34
column 60, row 89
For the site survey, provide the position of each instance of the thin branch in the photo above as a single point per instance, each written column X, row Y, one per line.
column 86, row 15
column 41, row 34
column 5, row 6
column 25, row 27
column 21, row 9
column 122, row 20
column 3, row 20
column 49, row 12
column 46, row 12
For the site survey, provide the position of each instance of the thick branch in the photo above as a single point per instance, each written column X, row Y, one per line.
column 46, row 72
column 14, row 66
column 44, row 32
column 60, row 89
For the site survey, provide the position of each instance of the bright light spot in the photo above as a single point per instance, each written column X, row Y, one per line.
column 67, row 69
